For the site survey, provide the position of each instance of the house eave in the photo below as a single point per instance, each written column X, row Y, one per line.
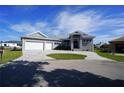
column 47, row 39
column 116, row 41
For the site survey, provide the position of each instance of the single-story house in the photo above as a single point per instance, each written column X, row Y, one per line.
column 79, row 41
column 105, row 47
column 10, row 44
column 39, row 42
column 117, row 45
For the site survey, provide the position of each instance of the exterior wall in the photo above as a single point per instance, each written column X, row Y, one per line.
column 85, row 47
column 42, row 41
column 82, row 45
column 117, row 47
column 56, row 44
column 88, row 47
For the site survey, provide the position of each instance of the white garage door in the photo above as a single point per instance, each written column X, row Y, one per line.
column 33, row 46
column 48, row 46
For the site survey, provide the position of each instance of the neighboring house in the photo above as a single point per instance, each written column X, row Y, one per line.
column 105, row 47
column 98, row 45
column 117, row 45
column 38, row 41
column 10, row 44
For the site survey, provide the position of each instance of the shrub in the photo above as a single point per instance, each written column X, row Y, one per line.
column 16, row 49
column 2, row 47
column 62, row 47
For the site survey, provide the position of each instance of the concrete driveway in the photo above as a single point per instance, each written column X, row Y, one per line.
column 36, row 71
column 42, row 55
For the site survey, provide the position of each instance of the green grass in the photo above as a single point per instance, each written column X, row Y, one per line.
column 10, row 55
column 66, row 56
column 110, row 56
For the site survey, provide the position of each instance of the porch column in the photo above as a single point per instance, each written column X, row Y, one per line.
column 23, row 46
column 113, row 48
column 80, row 41
column 92, row 45
column 72, row 45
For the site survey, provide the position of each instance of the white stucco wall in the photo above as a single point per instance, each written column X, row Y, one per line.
column 10, row 44
column 46, row 44
column 88, row 47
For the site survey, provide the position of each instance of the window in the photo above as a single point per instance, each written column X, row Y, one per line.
column 90, row 40
column 86, row 40
column 76, row 36
column 76, row 43
column 56, row 43
column 5, row 44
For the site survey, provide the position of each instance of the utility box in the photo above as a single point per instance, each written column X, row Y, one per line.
column 1, row 53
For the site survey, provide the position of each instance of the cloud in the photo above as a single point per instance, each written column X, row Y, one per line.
column 118, row 31
column 104, row 38
column 92, row 22
column 12, row 37
column 113, row 22
column 85, row 21
column 22, row 28
column 28, row 27
column 65, row 22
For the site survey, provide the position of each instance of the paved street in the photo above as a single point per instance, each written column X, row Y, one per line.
column 93, row 71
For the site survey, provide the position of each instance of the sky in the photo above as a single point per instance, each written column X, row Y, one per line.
column 104, row 22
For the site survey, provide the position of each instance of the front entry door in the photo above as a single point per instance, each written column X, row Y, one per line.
column 76, row 43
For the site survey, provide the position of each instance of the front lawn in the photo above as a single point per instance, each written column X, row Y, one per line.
column 66, row 56
column 110, row 56
column 10, row 55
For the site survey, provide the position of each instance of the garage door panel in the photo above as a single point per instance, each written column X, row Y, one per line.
column 48, row 46
column 33, row 46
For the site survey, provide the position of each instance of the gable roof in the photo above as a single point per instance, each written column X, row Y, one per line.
column 118, row 39
column 37, row 35
column 83, row 35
